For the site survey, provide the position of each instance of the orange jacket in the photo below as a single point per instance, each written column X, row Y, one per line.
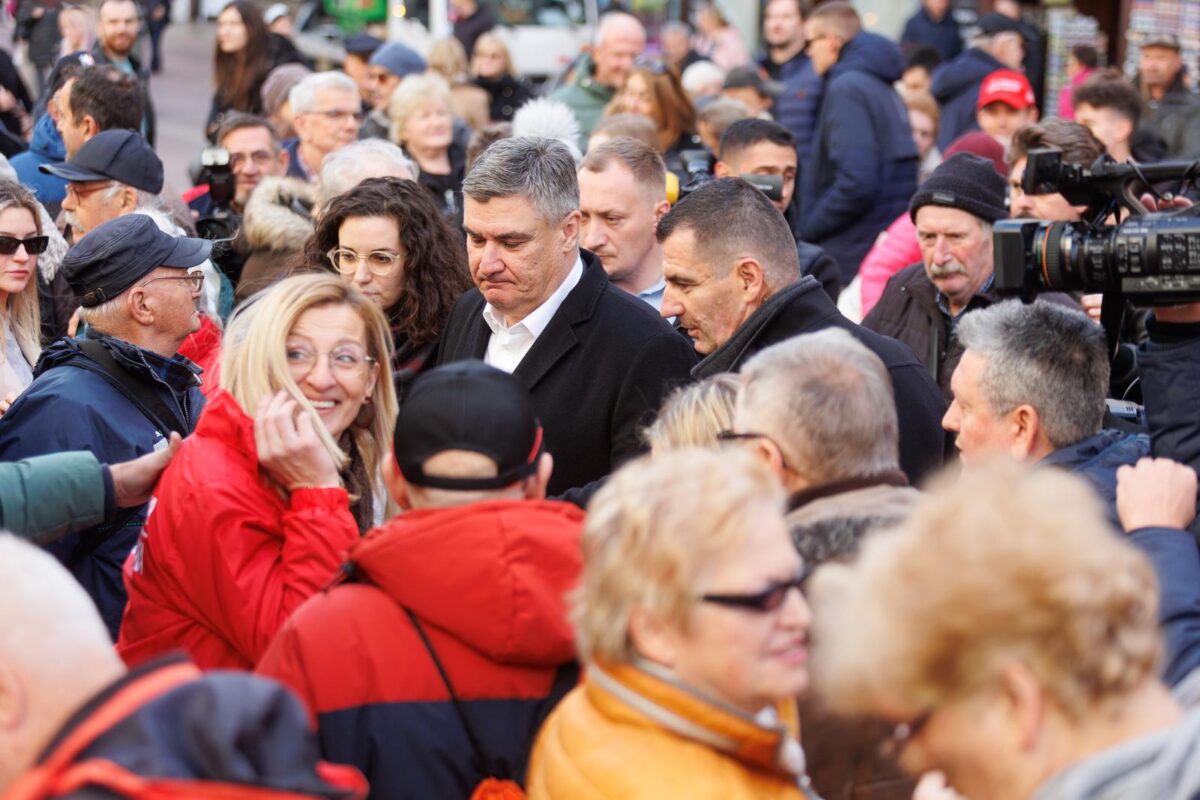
column 634, row 732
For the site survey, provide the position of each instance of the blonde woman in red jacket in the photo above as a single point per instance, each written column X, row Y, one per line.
column 255, row 514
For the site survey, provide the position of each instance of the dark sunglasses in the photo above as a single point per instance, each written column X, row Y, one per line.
column 33, row 245
column 768, row 599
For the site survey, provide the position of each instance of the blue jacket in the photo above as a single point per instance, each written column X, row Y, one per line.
column 1176, row 561
column 943, row 36
column 956, row 88
column 797, row 108
column 863, row 166
column 46, row 147
column 71, row 406
column 1097, row 458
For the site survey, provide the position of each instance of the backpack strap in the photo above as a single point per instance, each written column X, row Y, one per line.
column 138, row 389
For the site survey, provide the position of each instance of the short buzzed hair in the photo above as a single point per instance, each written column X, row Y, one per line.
column 540, row 170
column 746, row 133
column 826, row 400
column 634, row 126
column 613, row 20
column 839, row 17
column 643, row 162
column 1043, row 355
column 732, row 219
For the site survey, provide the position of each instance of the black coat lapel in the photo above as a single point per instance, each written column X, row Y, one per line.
column 559, row 337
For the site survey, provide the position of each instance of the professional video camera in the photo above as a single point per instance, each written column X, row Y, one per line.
column 1151, row 258
column 220, row 224
column 698, row 164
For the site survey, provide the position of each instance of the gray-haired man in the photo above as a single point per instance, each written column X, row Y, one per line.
column 596, row 360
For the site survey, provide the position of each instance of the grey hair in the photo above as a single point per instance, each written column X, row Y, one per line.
column 826, row 400
column 344, row 169
column 108, row 317
column 1043, row 355
column 303, row 96
column 540, row 170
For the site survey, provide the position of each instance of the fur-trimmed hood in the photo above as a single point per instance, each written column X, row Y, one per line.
column 278, row 215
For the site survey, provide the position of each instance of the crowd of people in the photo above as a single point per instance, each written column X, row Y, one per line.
column 661, row 431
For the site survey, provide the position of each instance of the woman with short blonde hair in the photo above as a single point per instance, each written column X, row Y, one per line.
column 420, row 111
column 255, row 513
column 492, row 70
column 691, row 624
column 693, row 415
column 470, row 103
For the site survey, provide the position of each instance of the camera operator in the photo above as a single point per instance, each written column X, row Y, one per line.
column 923, row 304
column 1077, row 145
column 254, row 153
column 763, row 147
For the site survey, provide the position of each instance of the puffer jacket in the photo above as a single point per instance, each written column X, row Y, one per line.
column 275, row 226
column 634, row 732
column 45, row 147
column 956, row 88
column 585, row 97
column 797, row 108
column 165, row 731
column 225, row 559
column 71, row 406
column 487, row 583
column 863, row 166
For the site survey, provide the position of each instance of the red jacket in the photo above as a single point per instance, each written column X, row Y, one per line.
column 488, row 583
column 204, row 349
column 224, row 559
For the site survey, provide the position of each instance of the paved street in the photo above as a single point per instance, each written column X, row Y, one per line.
column 182, row 95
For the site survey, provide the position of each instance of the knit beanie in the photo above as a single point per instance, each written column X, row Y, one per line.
column 966, row 182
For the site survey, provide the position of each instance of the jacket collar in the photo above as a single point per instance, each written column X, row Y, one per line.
column 645, row 691
column 178, row 373
column 728, row 356
column 820, row 491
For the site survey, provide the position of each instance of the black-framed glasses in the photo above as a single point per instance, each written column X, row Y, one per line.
column 768, row 599
column 903, row 733
column 738, row 436
column 34, row 245
column 195, row 280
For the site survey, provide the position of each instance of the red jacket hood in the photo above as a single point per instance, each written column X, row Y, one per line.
column 494, row 574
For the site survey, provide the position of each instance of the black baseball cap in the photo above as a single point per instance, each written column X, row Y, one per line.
column 470, row 406
column 362, row 44
column 751, row 78
column 119, row 253
column 123, row 156
column 994, row 22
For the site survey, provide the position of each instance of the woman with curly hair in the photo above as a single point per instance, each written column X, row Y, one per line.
column 388, row 237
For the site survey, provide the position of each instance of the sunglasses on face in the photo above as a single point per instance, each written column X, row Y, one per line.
column 33, row 245
column 768, row 599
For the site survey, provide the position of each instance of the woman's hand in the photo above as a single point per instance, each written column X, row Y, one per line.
column 289, row 449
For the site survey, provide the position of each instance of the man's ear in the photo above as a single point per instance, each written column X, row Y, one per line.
column 1026, row 431
column 285, row 158
column 570, row 231
column 535, row 484
column 14, row 702
column 90, row 126
column 140, row 306
column 393, row 479
column 129, row 199
column 661, row 210
column 751, row 279
column 722, row 170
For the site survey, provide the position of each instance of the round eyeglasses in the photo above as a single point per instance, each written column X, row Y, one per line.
column 379, row 262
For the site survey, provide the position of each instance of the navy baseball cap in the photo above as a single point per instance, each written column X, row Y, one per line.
column 398, row 59
column 994, row 22
column 362, row 44
column 471, row 406
column 123, row 156
column 119, row 253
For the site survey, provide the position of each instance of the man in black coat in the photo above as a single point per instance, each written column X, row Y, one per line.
column 730, row 264
column 596, row 360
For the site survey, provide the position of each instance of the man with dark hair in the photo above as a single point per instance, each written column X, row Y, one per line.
column 786, row 62
column 121, row 391
column 46, row 144
column 596, row 360
column 761, row 147
column 622, row 196
column 934, row 25
column 998, row 45
column 863, row 166
column 1078, row 146
column 1110, row 107
column 920, row 60
column 732, row 284
column 99, row 99
column 470, row 472
column 1172, row 110
column 116, row 38
column 254, row 153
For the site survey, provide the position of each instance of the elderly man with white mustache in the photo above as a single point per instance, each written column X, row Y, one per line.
column 953, row 211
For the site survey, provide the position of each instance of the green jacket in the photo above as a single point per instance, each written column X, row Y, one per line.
column 45, row 497
column 585, row 97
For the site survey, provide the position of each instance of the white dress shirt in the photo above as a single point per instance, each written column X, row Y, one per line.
column 507, row 346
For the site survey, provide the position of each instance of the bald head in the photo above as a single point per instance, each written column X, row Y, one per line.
column 620, row 39
column 55, row 653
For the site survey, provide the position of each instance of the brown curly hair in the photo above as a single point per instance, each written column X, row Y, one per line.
column 435, row 263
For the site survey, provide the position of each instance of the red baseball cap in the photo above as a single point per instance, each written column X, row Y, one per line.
column 1006, row 86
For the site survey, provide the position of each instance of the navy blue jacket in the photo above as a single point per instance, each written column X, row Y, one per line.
column 70, row 406
column 956, row 89
column 863, row 167
column 942, row 36
column 1176, row 561
column 46, row 147
column 797, row 108
column 1097, row 458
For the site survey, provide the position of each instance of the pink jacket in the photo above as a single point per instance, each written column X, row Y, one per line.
column 896, row 249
